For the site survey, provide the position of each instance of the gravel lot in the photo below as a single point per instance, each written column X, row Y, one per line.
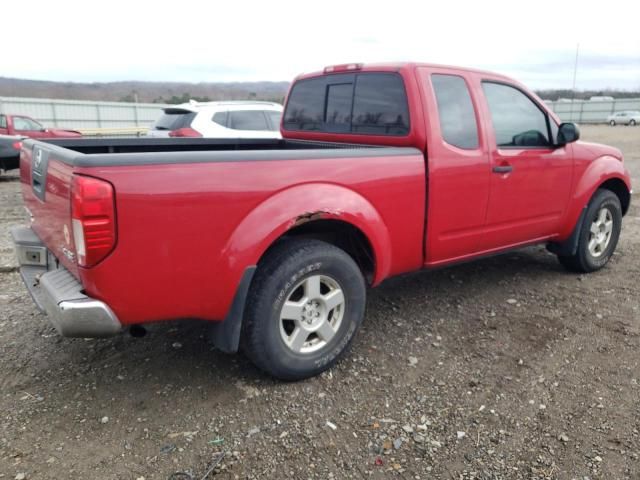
column 504, row 368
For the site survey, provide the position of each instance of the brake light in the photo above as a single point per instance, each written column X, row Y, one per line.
column 184, row 132
column 345, row 67
column 93, row 219
column 17, row 145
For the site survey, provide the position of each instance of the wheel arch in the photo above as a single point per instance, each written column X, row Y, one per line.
column 315, row 210
column 617, row 186
column 339, row 233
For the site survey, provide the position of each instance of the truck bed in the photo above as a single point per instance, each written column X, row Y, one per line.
column 150, row 144
column 192, row 214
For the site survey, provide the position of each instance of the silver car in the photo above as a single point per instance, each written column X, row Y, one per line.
column 629, row 117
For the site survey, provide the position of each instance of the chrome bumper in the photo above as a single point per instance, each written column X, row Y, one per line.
column 57, row 293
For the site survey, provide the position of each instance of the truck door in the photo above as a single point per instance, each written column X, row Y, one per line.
column 4, row 128
column 530, row 178
column 28, row 127
column 457, row 164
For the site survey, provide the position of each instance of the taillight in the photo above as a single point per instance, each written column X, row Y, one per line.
column 93, row 219
column 17, row 145
column 345, row 67
column 184, row 132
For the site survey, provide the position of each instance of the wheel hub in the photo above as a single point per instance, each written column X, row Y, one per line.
column 312, row 314
column 600, row 232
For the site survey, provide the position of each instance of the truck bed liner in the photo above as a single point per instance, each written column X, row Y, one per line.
column 135, row 151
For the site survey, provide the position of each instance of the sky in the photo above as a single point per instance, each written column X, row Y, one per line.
column 214, row 41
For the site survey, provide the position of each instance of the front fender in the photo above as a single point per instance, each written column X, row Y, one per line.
column 289, row 208
column 598, row 171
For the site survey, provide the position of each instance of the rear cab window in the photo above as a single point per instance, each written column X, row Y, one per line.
column 365, row 103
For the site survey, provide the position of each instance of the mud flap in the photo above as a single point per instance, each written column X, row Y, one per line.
column 570, row 245
column 225, row 335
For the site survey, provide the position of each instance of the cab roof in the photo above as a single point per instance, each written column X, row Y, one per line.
column 394, row 67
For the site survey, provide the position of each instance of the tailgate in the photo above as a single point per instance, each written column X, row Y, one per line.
column 46, row 173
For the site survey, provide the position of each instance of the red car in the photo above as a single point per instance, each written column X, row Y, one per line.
column 383, row 169
column 24, row 126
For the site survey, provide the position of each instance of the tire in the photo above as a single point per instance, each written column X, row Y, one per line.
column 293, row 300
column 612, row 123
column 597, row 240
column 632, row 122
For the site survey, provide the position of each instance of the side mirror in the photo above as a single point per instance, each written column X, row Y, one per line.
column 567, row 133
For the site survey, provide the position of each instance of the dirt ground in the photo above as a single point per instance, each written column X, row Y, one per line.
column 506, row 368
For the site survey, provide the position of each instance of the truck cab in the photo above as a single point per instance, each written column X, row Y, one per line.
column 502, row 169
column 24, row 126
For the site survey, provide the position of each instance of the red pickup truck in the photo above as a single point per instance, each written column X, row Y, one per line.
column 24, row 126
column 383, row 169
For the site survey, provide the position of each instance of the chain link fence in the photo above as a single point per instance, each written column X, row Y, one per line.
column 592, row 111
column 81, row 114
column 93, row 115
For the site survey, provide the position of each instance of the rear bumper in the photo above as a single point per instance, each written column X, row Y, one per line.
column 57, row 293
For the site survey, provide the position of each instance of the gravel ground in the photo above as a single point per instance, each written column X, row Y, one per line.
column 505, row 368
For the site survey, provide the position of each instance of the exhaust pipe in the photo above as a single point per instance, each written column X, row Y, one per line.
column 137, row 331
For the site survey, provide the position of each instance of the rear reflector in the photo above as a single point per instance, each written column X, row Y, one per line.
column 93, row 219
column 184, row 132
column 17, row 145
column 345, row 67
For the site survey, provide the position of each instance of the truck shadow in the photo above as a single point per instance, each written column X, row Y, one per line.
column 7, row 178
column 179, row 353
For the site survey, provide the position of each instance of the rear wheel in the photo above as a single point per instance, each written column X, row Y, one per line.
column 599, row 234
column 306, row 303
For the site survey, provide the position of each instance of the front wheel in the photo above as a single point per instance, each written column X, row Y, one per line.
column 305, row 305
column 632, row 122
column 599, row 234
column 612, row 123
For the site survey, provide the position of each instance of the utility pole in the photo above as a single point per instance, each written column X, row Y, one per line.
column 573, row 87
column 575, row 69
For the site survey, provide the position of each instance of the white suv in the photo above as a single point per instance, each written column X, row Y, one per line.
column 232, row 119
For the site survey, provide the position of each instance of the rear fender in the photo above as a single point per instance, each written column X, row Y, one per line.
column 270, row 220
column 297, row 205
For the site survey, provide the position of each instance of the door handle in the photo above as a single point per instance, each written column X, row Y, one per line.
column 503, row 169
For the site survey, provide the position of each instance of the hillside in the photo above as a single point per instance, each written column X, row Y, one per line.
column 159, row 92
column 178, row 92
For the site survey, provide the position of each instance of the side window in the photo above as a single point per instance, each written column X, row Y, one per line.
column 22, row 123
column 248, row 120
column 220, row 118
column 275, row 118
column 517, row 120
column 456, row 112
column 3, row 121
